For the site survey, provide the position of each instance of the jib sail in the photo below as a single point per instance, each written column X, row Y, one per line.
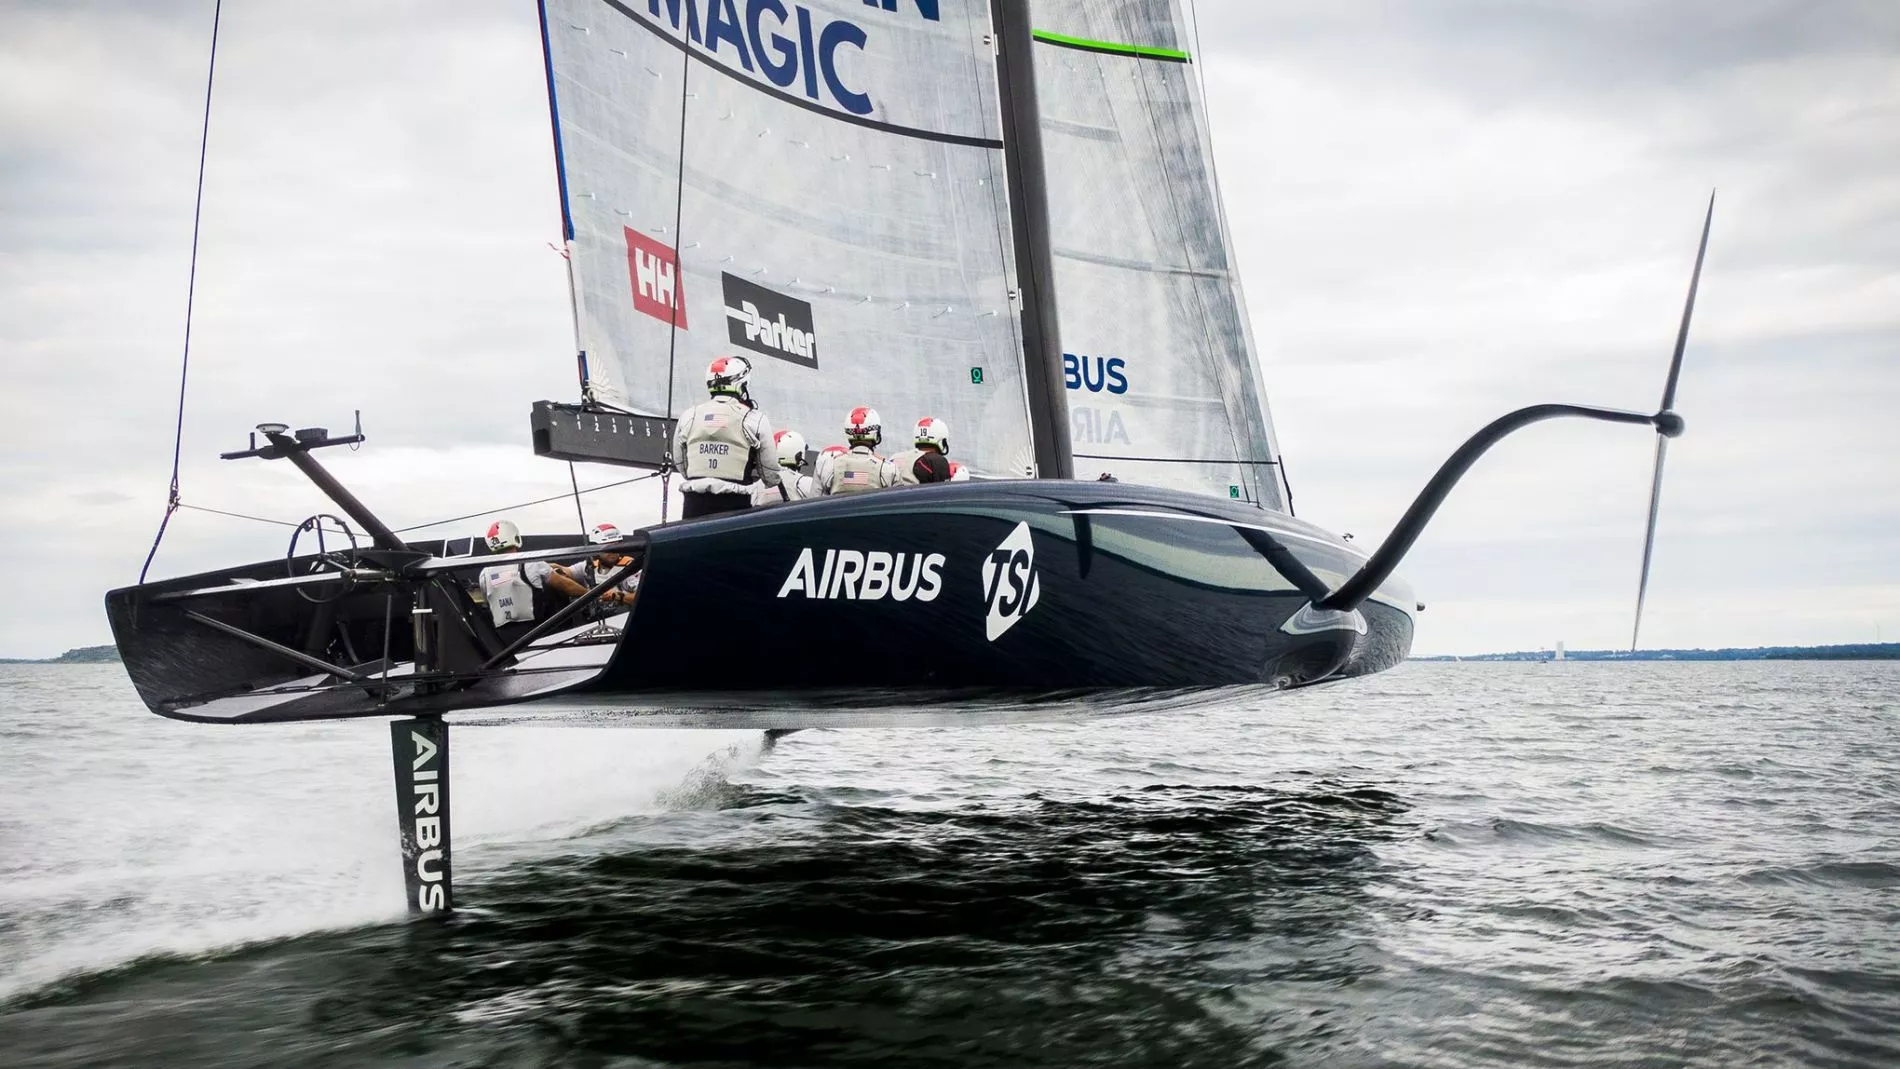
column 817, row 185
column 1163, row 385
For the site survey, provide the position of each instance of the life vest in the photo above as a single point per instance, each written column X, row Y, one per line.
column 716, row 443
column 857, row 470
column 906, row 463
column 509, row 595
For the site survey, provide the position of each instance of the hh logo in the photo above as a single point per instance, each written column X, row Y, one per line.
column 1010, row 586
column 655, row 270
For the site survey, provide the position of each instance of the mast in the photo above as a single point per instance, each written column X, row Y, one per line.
column 1029, row 224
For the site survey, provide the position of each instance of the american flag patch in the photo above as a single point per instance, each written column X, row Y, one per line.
column 715, row 420
column 856, row 477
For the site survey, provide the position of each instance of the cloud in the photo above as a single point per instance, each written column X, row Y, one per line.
column 1445, row 211
column 1441, row 211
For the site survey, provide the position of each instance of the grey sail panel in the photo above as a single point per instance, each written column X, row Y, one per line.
column 1164, row 386
column 835, row 211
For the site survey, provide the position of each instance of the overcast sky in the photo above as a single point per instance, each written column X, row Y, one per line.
column 1443, row 210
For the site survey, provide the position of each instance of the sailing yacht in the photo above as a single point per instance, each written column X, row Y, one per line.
column 1002, row 213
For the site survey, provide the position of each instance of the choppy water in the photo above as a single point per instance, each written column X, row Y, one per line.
column 1477, row 864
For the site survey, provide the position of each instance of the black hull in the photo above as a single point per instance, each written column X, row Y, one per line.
column 1020, row 588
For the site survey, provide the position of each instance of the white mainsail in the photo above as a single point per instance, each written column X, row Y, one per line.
column 1163, row 385
column 817, row 186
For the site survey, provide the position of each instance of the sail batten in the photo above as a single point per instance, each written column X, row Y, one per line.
column 1173, row 55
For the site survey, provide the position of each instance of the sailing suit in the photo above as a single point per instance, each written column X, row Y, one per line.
column 721, row 445
column 858, row 470
column 791, row 487
column 918, row 466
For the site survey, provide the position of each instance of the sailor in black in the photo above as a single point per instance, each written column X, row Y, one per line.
column 724, row 444
column 929, row 462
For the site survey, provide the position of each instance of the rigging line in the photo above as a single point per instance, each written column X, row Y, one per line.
column 525, row 504
column 679, row 244
column 574, row 481
column 244, row 516
column 191, row 291
column 679, row 286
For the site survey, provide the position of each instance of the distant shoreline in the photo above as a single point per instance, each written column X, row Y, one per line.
column 82, row 655
column 1853, row 651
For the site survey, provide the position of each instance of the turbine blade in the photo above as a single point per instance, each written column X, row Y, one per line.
column 1688, row 310
column 1649, row 540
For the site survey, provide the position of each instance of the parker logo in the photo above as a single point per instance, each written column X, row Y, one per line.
column 430, row 864
column 655, row 270
column 852, row 575
column 766, row 321
column 1010, row 585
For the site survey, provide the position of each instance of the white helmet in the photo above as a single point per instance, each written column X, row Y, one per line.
column 959, row 473
column 932, row 431
column 791, row 449
column 503, row 536
column 603, row 534
column 729, row 374
column 863, row 426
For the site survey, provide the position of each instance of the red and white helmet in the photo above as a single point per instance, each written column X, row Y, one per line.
column 503, row 536
column 729, row 374
column 790, row 446
column 603, row 534
column 934, row 432
column 959, row 473
column 863, row 426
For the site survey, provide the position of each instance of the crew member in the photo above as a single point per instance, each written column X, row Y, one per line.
column 604, row 563
column 821, row 469
column 792, row 486
column 518, row 593
column 929, row 462
column 724, row 443
column 859, row 469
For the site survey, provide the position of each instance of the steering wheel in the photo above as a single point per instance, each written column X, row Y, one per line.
column 339, row 560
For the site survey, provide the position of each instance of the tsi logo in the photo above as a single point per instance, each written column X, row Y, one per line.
column 851, row 575
column 766, row 321
column 1010, row 586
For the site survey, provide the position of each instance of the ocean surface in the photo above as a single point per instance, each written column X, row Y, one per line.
column 1447, row 865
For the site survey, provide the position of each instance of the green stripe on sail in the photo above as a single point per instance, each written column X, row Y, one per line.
column 1143, row 51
